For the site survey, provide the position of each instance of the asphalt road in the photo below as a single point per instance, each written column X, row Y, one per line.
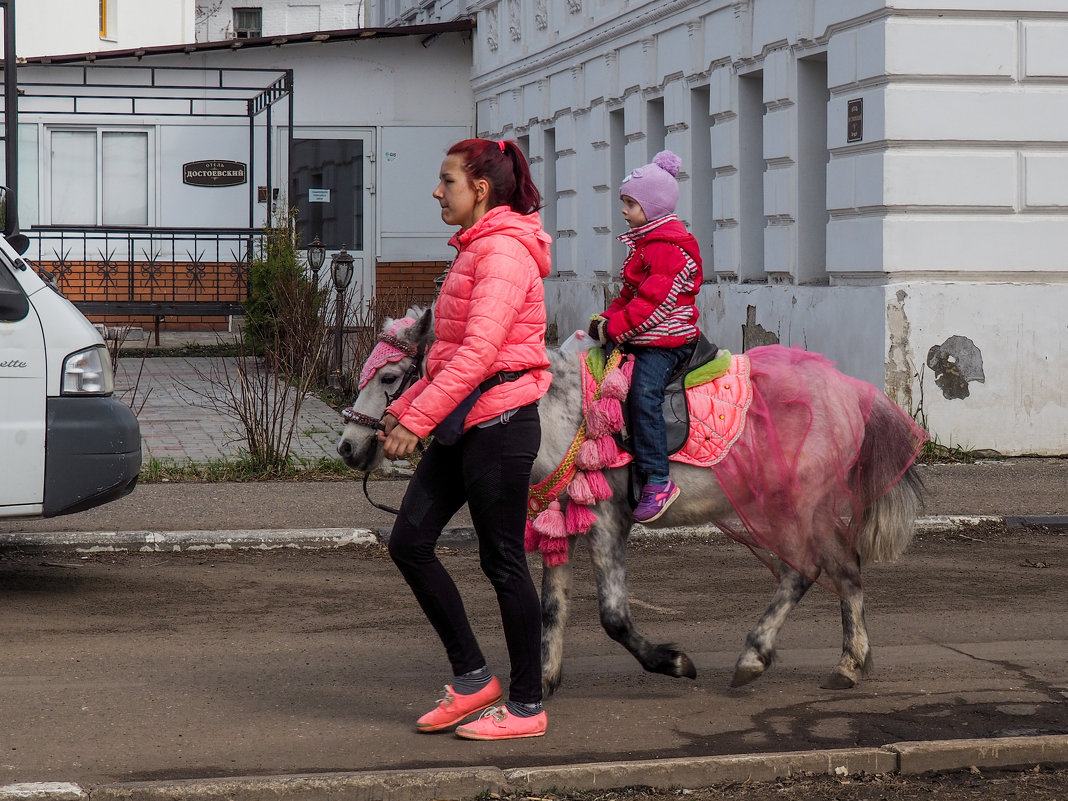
column 162, row 666
column 120, row 667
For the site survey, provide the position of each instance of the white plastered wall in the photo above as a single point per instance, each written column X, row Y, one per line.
column 131, row 23
column 943, row 226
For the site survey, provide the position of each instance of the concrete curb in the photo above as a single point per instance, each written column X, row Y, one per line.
column 267, row 539
column 446, row 784
column 263, row 539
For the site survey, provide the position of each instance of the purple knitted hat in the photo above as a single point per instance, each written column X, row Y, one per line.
column 654, row 185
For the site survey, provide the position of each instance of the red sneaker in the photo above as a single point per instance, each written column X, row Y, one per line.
column 454, row 707
column 497, row 723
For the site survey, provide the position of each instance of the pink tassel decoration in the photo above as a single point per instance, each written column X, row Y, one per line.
column 614, row 411
column 627, row 368
column 598, row 485
column 603, row 417
column 578, row 518
column 608, row 451
column 531, row 537
column 554, row 558
column 550, row 523
column 589, row 456
column 615, row 385
column 554, row 544
column 579, row 489
column 596, row 421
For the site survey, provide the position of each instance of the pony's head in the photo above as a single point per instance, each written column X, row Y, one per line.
column 393, row 366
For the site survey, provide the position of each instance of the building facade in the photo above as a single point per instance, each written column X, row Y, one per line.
column 145, row 177
column 92, row 26
column 247, row 19
column 882, row 181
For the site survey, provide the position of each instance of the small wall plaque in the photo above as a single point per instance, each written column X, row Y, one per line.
column 214, row 172
column 855, row 120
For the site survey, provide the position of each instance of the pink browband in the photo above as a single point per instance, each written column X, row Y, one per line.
column 390, row 348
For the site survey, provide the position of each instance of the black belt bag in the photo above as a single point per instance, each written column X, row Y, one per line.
column 449, row 430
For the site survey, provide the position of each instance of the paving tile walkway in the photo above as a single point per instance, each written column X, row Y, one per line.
column 172, row 397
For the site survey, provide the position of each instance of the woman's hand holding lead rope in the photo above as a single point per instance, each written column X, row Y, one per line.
column 397, row 441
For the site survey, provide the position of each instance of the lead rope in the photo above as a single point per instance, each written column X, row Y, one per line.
column 372, row 501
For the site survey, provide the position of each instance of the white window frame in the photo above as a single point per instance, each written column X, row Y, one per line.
column 151, row 197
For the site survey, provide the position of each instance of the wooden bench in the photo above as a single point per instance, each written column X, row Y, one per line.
column 163, row 308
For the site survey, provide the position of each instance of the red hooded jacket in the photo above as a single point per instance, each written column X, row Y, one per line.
column 661, row 278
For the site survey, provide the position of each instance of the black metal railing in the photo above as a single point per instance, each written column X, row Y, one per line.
column 148, row 270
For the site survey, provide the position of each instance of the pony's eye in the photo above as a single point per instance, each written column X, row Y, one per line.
column 389, row 379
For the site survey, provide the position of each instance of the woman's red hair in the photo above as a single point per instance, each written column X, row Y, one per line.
column 503, row 166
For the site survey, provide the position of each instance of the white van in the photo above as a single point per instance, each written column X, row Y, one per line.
column 66, row 443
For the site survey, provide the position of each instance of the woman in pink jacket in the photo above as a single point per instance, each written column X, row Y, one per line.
column 485, row 374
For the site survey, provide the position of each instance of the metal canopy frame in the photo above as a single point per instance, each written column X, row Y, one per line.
column 139, row 90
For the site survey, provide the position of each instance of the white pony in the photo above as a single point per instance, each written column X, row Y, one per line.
column 821, row 477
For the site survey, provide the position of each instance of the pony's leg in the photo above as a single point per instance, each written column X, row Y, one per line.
column 759, row 652
column 555, row 604
column 607, row 542
column 856, row 650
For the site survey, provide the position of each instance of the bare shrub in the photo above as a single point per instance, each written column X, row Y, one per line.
column 115, row 340
column 362, row 335
column 281, row 354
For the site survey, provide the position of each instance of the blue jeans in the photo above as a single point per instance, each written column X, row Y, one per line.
column 653, row 368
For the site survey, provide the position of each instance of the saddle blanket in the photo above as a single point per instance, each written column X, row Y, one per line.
column 717, row 416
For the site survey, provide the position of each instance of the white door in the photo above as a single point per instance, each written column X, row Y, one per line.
column 331, row 188
column 22, row 409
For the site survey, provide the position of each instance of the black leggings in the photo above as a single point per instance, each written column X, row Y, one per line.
column 489, row 469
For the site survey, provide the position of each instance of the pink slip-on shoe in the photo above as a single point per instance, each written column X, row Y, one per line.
column 656, row 498
column 497, row 723
column 454, row 707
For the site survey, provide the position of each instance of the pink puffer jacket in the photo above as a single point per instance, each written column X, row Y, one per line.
column 489, row 317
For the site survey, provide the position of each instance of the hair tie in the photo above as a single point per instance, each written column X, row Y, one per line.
column 500, row 144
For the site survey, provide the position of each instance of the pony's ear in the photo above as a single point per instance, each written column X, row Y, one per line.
column 423, row 329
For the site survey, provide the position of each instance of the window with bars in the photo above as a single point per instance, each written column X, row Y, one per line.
column 103, row 8
column 248, row 23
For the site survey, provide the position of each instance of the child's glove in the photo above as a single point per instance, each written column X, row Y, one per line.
column 597, row 329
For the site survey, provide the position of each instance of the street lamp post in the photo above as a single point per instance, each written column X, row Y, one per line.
column 341, row 270
column 11, row 98
column 316, row 256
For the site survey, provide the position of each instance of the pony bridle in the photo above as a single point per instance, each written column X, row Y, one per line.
column 414, row 372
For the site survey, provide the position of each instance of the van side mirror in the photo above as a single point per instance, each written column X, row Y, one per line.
column 9, row 221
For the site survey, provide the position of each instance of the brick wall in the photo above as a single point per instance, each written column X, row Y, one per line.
column 163, row 281
column 412, row 280
column 398, row 284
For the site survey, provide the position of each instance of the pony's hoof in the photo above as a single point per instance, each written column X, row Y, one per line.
column 838, row 681
column 744, row 676
column 684, row 667
column 750, row 667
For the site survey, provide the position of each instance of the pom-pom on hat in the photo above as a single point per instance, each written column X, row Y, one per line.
column 654, row 185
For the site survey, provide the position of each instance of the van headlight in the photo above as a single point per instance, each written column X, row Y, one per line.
column 88, row 372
